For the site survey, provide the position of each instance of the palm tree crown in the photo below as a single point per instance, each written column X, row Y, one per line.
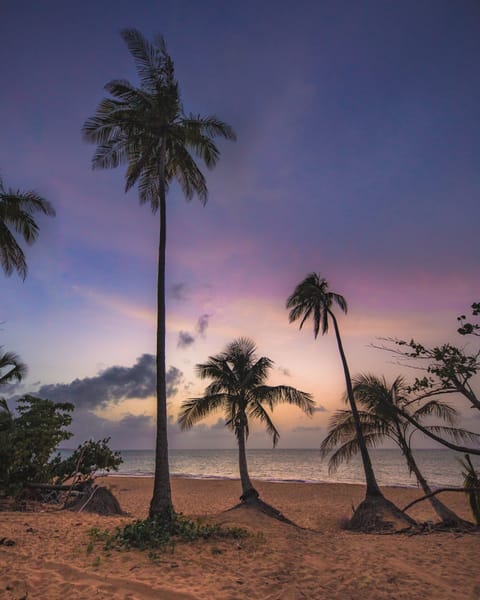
column 311, row 298
column 146, row 128
column 16, row 213
column 11, row 368
column 238, row 388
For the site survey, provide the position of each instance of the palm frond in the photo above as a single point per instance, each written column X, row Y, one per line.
column 438, row 409
column 257, row 411
column 350, row 448
column 283, row 394
column 194, row 410
column 456, row 433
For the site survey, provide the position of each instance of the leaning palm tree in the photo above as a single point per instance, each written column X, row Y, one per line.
column 146, row 128
column 379, row 421
column 17, row 210
column 238, row 389
column 312, row 298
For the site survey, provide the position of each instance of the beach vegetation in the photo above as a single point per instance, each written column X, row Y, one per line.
column 312, row 299
column 380, row 421
column 238, row 388
column 162, row 531
column 29, row 440
column 17, row 212
column 146, row 128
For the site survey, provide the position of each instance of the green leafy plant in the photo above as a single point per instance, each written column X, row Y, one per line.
column 162, row 531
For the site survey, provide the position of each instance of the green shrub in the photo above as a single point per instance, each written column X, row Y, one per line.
column 161, row 532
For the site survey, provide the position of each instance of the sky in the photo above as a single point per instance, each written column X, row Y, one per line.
column 357, row 157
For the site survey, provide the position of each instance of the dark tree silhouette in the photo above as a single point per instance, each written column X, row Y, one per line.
column 238, row 389
column 312, row 299
column 146, row 128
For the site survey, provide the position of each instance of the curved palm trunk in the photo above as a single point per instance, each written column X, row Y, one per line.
column 248, row 491
column 445, row 514
column 162, row 496
column 372, row 485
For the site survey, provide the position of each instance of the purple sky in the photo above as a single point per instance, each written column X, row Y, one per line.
column 358, row 156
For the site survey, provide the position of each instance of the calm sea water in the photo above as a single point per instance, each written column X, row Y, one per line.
column 440, row 467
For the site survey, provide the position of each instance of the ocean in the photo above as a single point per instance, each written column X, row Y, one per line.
column 440, row 467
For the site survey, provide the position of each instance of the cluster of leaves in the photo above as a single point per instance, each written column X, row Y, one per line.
column 29, row 442
column 448, row 368
column 162, row 530
column 470, row 328
column 87, row 459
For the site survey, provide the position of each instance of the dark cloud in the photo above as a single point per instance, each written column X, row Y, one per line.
column 178, row 291
column 130, row 432
column 112, row 385
column 202, row 323
column 284, row 371
column 185, row 339
column 173, row 378
column 320, row 408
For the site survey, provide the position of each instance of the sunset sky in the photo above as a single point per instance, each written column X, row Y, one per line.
column 358, row 156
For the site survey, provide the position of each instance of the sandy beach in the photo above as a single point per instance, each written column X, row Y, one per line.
column 51, row 558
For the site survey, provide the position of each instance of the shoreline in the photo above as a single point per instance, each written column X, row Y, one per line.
column 53, row 555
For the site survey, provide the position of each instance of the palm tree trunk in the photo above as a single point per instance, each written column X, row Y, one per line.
column 445, row 514
column 162, row 496
column 248, row 491
column 372, row 485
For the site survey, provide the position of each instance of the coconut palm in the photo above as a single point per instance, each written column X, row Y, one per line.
column 379, row 421
column 238, row 389
column 146, row 128
column 17, row 210
column 312, row 298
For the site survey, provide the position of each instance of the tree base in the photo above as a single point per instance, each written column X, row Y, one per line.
column 100, row 500
column 251, row 500
column 377, row 514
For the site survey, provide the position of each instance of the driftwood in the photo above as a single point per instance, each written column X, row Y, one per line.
column 52, row 493
column 439, row 491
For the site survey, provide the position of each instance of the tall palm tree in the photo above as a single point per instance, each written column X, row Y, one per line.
column 312, row 298
column 16, row 213
column 238, row 388
column 379, row 420
column 146, row 128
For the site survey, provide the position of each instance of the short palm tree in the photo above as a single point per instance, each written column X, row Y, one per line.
column 379, row 421
column 17, row 210
column 312, row 298
column 238, row 389
column 146, row 128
